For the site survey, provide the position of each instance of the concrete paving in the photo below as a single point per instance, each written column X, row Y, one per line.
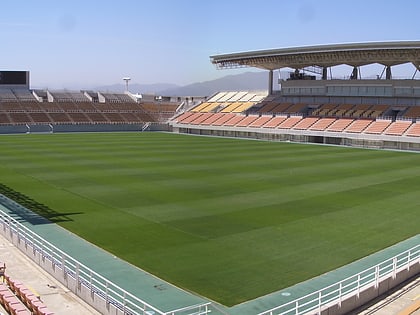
column 404, row 300
column 55, row 296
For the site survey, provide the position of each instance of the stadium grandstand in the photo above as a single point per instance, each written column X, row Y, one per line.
column 26, row 110
column 311, row 106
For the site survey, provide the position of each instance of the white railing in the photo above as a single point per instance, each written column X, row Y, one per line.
column 72, row 271
column 68, row 268
column 336, row 293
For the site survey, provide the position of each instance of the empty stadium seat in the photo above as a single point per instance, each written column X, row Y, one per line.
column 377, row 127
column 358, row 125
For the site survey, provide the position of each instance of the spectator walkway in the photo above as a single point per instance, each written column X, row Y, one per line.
column 56, row 297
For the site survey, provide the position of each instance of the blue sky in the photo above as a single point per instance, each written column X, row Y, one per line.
column 83, row 44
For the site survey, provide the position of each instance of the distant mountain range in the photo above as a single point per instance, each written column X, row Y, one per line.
column 248, row 81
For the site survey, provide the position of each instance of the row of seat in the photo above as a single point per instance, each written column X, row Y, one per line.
column 16, row 118
column 84, row 112
column 72, row 106
column 330, row 124
column 324, row 110
column 17, row 299
column 223, row 107
column 238, row 96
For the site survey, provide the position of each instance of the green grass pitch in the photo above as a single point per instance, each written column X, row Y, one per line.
column 226, row 218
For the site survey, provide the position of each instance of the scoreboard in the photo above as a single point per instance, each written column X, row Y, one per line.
column 14, row 78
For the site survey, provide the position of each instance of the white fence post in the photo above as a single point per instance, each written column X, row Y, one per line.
column 394, row 268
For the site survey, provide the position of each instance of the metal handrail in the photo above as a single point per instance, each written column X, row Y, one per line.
column 349, row 286
column 82, row 274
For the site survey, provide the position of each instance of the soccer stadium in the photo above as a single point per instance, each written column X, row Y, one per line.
column 301, row 199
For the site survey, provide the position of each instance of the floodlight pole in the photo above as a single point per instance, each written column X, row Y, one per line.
column 126, row 79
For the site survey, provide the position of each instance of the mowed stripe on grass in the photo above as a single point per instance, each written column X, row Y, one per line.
column 229, row 219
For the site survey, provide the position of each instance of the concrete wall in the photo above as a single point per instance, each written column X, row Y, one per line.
column 306, row 136
column 62, row 128
column 354, row 301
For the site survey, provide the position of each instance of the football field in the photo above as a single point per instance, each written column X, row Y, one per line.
column 228, row 219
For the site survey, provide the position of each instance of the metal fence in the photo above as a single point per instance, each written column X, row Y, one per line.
column 78, row 277
column 336, row 293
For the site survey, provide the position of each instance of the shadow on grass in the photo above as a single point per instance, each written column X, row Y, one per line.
column 38, row 213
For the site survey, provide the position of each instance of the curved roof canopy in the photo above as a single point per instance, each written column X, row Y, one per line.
column 356, row 54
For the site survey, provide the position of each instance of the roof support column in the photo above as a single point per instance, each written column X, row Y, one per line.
column 388, row 73
column 270, row 82
column 324, row 73
column 354, row 74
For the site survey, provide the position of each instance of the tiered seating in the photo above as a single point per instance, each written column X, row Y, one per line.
column 340, row 124
column 40, row 118
column 290, row 122
column 181, row 117
column 202, row 107
column 117, row 98
column 4, row 119
column 50, row 107
column 96, row 117
column 257, row 98
column 221, row 121
column 24, row 95
column 11, row 302
column 113, row 117
column 324, row 110
column 199, row 120
column 31, row 106
column 281, row 108
column 414, row 130
column 60, row 118
column 86, row 106
column 375, row 111
column 216, row 97
column 252, row 97
column 377, row 127
column 7, row 95
column 322, row 124
column 10, row 106
column 357, row 126
column 20, row 300
column 129, row 117
column 231, row 107
column 398, row 128
column 142, row 116
column 234, row 120
column 413, row 112
column 226, row 97
column 342, row 110
column 189, row 118
column 21, row 107
column 357, row 110
column 295, row 108
column 212, row 118
column 238, row 96
column 247, row 121
column 78, row 118
column 260, row 121
column 19, row 118
column 243, row 107
column 275, row 122
column 267, row 108
column 305, row 123
column 68, row 106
